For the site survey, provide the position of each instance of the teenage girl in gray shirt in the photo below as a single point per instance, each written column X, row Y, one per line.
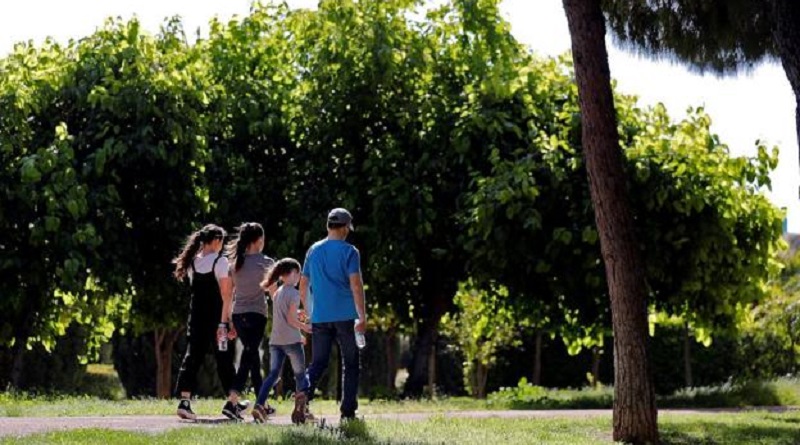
column 248, row 267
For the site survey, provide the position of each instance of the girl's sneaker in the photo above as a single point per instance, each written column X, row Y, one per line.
column 232, row 411
column 185, row 410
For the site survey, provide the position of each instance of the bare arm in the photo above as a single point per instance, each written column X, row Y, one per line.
column 226, row 289
column 303, row 290
column 357, row 287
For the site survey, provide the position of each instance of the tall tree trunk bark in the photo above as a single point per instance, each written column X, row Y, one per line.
column 786, row 32
column 164, row 345
column 635, row 415
column 537, row 359
column 687, row 357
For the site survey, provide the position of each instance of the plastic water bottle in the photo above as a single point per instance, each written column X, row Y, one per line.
column 222, row 342
column 361, row 340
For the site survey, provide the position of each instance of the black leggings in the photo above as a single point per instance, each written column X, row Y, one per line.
column 250, row 329
column 201, row 335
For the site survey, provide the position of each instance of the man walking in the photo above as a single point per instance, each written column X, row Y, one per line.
column 332, row 270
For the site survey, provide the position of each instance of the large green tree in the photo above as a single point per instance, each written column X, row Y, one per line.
column 384, row 117
column 707, row 231
column 721, row 36
column 51, row 253
column 111, row 137
column 139, row 111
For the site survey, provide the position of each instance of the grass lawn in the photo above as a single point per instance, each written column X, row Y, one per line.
column 678, row 429
column 19, row 406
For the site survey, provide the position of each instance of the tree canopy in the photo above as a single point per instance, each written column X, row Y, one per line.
column 455, row 148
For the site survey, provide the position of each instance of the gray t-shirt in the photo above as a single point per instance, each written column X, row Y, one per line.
column 282, row 332
column 247, row 293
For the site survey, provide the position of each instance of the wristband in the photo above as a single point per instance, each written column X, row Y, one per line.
column 223, row 324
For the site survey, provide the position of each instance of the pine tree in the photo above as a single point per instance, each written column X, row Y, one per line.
column 635, row 415
column 719, row 36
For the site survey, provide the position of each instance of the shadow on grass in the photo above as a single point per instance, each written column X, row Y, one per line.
column 353, row 432
column 712, row 433
column 212, row 421
column 577, row 402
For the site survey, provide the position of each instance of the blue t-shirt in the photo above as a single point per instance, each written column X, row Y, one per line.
column 328, row 266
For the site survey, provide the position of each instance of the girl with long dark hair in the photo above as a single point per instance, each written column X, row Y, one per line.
column 203, row 265
column 249, row 308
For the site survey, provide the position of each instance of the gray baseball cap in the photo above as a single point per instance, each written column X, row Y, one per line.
column 341, row 216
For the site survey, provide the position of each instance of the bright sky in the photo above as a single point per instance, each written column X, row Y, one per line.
column 759, row 105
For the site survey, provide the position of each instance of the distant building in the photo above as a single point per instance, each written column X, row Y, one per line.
column 793, row 239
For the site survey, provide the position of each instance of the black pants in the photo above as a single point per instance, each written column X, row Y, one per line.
column 202, row 335
column 250, row 329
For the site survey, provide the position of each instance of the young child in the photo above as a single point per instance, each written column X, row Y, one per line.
column 285, row 340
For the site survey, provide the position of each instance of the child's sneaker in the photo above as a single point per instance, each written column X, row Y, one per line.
column 232, row 411
column 185, row 410
column 299, row 412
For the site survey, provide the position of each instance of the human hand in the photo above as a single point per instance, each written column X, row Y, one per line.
column 302, row 316
column 361, row 325
column 232, row 333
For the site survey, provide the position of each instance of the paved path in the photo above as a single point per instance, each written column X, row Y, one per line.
column 20, row 426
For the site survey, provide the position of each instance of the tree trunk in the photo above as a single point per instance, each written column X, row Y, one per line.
column 792, row 345
column 17, row 366
column 482, row 376
column 432, row 368
column 635, row 415
column 687, row 356
column 391, row 359
column 537, row 360
column 596, row 355
column 418, row 372
column 21, row 338
column 164, row 344
column 786, row 32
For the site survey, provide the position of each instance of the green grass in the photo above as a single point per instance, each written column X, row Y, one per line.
column 676, row 429
column 778, row 392
column 14, row 404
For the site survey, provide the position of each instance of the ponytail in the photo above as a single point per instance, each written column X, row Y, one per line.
column 248, row 234
column 194, row 242
column 279, row 269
